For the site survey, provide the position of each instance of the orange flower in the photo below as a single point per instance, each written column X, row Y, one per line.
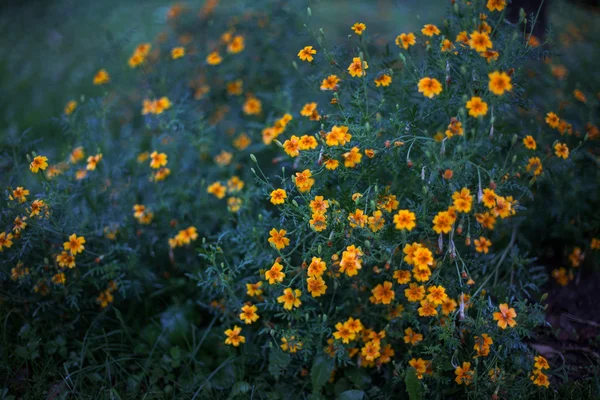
column 306, row 54
column 506, row 316
column 430, row 30
column 278, row 239
column 430, row 87
column 356, row 68
column 359, row 28
column 405, row 40
column 499, row 83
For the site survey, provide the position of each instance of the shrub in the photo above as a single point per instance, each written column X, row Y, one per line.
column 308, row 219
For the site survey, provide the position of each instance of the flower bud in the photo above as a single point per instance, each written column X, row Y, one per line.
column 253, row 158
column 309, row 11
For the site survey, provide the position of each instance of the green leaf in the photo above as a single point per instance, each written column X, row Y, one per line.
column 239, row 388
column 321, row 372
column 278, row 362
column 413, row 386
column 352, row 395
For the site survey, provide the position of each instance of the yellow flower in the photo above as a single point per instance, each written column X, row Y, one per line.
column 561, row 150
column 101, row 77
column 70, row 107
column 383, row 80
column 430, row 30
column 534, row 164
column 290, row 298
column 253, row 289
column 252, row 106
column 5, row 241
column 480, row 41
column 430, row 87
column 477, row 107
column 304, row 181
column 214, row 58
column 274, row 274
column 420, row 366
column 292, row 146
column 158, row 160
column 330, row 83
column 39, row 162
column 506, row 316
column 414, row 292
column 278, row 239
column 482, row 245
column 248, row 314
column 217, row 189
column 499, row 83
column 306, row 54
column 75, row 244
column 317, row 267
column 405, row 40
column 405, row 220
column 529, row 142
column 352, row 157
column 233, row 336
column 437, row 295
column 359, row 28
column 316, row 286
column 463, row 200
column 384, row 293
column 464, row 375
column 356, row 68
column 497, row 5
column 447, row 45
column 344, row 333
column 278, row 196
column 65, row 260
column 236, row 45
column 177, row 52
column 552, row 120
column 338, row 136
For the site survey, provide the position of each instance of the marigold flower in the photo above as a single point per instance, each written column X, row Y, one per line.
column 422, row 258
column 253, row 289
column 317, row 267
column 405, row 220
column 414, row 293
column 482, row 245
column 447, row 45
column 419, row 365
column 278, row 239
column 351, row 261
column 561, row 150
column 506, row 316
column 291, row 344
column 177, row 52
column 448, row 306
column 464, row 375
column 75, row 244
column 65, row 260
column 278, row 196
column 535, row 164
column 405, row 40
column 482, row 345
column 39, row 162
column 412, row 337
column 477, row 107
column 430, row 30
column 290, row 298
column 383, row 80
column 236, row 45
column 344, row 333
column 5, row 241
column 497, row 5
column 579, row 95
column 330, row 83
column 20, row 194
column 318, row 222
column 101, row 77
column 356, row 68
column 541, row 363
column 480, row 42
column 442, row 222
column 437, row 294
column 70, row 107
column 248, row 314
column 402, row 276
column 217, row 189
column 316, row 286
column 303, row 180
column 274, row 274
column 359, row 28
column 384, row 293
column 338, row 136
column 462, row 200
column 214, row 58
column 158, row 160
column 331, row 164
column 376, row 221
column 292, row 146
column 234, row 336
column 20, row 224
column 499, row 83
column 539, row 379
column 306, row 54
column 529, row 142
column 252, row 106
column 430, row 87
column 92, row 162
